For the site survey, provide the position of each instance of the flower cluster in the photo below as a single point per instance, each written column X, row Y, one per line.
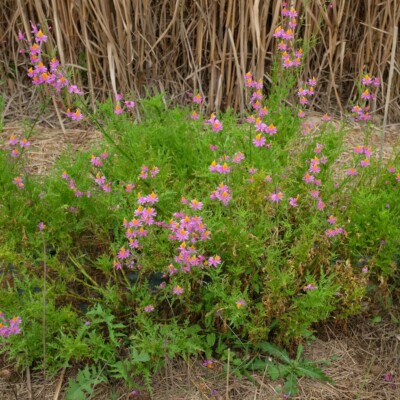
column 18, row 143
column 193, row 204
column 222, row 193
column 334, row 231
column 145, row 172
column 188, row 229
column 361, row 112
column 19, row 182
column 72, row 186
column 9, row 327
column 304, row 92
column 291, row 57
column 120, row 103
column 221, row 169
column 216, row 124
column 51, row 75
column 256, row 103
column 135, row 229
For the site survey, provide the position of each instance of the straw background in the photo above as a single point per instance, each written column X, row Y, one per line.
column 185, row 46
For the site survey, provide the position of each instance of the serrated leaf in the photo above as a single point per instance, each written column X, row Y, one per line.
column 275, row 351
column 310, row 370
column 290, row 386
column 74, row 391
column 258, row 365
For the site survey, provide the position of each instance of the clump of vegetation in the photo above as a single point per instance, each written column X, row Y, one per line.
column 189, row 235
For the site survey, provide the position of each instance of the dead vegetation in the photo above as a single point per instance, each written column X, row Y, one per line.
column 188, row 46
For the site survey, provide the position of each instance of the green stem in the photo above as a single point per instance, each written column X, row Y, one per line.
column 104, row 132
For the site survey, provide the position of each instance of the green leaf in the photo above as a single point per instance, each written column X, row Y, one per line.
column 290, row 386
column 275, row 351
column 306, row 368
column 140, row 357
column 211, row 339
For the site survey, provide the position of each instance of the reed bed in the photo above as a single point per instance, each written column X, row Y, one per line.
column 185, row 46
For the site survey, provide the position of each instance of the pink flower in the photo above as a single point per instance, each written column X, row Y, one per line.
column 312, row 82
column 367, row 151
column 223, row 169
column 301, row 114
column 24, row 143
column 74, row 89
column 196, row 205
column 118, row 97
column 270, row 129
column 214, row 261
column 178, row 290
column 326, row 117
column 331, row 220
column 118, row 109
column 276, row 197
column 365, row 163
column 182, row 235
column 15, row 153
column 314, row 168
column 149, row 308
column 238, row 157
column 251, row 119
column 41, row 37
column 117, row 265
column 13, row 140
column 21, row 36
column 240, row 303
column 216, row 126
column 366, row 95
column 41, row 226
column 253, row 171
column 263, row 112
column 310, row 287
column 129, row 104
column 293, row 201
column 197, row 98
column 282, row 46
column 268, row 178
column 208, row 364
column 259, row 140
column 318, row 148
column 154, row 171
column 100, row 179
column 54, row 63
column 308, row 178
column 314, row 193
column 351, row 172
column 213, row 147
column 96, row 161
column 194, row 115
column 106, row 187
column 18, row 181
column 320, row 205
column 123, row 253
column 77, row 115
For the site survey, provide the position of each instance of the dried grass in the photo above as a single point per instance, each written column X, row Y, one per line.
column 201, row 45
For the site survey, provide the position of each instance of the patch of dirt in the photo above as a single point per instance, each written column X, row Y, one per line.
column 47, row 143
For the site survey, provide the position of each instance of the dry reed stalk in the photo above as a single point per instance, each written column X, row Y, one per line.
column 184, row 45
